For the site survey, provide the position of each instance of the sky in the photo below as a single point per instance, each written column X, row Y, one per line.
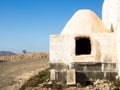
column 28, row 24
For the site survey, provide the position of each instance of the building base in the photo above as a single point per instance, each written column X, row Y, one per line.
column 83, row 72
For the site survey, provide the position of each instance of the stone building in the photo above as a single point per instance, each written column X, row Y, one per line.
column 86, row 49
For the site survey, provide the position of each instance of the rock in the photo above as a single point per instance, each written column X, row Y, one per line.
column 78, row 85
column 111, row 14
column 96, row 82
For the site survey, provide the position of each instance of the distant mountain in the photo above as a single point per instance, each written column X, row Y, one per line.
column 6, row 53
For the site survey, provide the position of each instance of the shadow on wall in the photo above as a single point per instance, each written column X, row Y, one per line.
column 82, row 79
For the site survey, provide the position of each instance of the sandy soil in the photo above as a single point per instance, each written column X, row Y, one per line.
column 13, row 74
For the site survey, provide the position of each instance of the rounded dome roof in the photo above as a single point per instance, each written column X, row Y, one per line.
column 84, row 22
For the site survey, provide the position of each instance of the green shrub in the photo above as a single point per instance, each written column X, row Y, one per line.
column 37, row 79
column 117, row 84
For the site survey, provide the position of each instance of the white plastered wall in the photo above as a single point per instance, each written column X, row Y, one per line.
column 61, row 49
column 111, row 19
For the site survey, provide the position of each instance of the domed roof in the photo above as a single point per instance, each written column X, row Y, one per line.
column 84, row 22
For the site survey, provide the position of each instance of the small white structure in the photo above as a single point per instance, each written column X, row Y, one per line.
column 85, row 47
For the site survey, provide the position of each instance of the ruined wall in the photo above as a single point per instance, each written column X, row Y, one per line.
column 111, row 14
column 61, row 49
column 107, row 47
column 87, row 50
column 103, row 48
column 99, row 64
column 111, row 19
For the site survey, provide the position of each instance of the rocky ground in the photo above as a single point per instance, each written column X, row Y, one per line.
column 13, row 74
column 97, row 85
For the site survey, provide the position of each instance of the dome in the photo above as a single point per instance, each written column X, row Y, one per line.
column 84, row 22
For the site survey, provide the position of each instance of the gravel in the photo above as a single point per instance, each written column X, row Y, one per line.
column 13, row 74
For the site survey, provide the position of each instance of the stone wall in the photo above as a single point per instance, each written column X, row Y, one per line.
column 26, row 56
column 101, row 63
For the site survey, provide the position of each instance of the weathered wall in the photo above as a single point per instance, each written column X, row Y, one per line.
column 107, row 46
column 111, row 19
column 61, row 49
column 111, row 14
column 103, row 59
column 103, row 49
column 84, row 22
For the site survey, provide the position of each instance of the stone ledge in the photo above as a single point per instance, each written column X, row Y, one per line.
column 92, row 76
column 94, row 66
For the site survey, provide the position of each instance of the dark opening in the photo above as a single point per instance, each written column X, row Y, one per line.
column 82, row 79
column 83, row 46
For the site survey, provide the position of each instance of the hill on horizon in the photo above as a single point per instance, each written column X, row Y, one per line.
column 7, row 53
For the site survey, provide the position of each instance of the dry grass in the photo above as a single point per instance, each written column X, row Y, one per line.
column 37, row 79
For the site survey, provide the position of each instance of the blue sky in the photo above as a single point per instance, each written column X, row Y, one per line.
column 27, row 24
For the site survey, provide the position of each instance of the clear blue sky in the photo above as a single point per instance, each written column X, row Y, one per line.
column 27, row 24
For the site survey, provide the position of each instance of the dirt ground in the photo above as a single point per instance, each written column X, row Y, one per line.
column 13, row 74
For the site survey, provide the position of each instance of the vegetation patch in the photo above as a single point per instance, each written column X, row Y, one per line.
column 117, row 84
column 43, row 76
column 37, row 79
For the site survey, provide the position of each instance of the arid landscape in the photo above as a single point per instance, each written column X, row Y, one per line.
column 78, row 44
column 17, row 69
column 25, row 56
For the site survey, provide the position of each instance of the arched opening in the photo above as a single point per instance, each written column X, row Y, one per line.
column 83, row 45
